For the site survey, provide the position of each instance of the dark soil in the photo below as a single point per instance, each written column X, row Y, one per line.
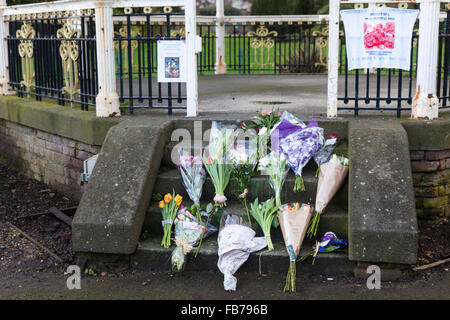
column 434, row 242
column 21, row 197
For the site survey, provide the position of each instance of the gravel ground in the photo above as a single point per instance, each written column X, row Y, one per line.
column 26, row 272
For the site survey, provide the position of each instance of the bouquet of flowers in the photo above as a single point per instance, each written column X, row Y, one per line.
column 187, row 235
column 169, row 208
column 193, row 175
column 331, row 177
column 264, row 214
column 217, row 164
column 287, row 124
column 274, row 165
column 329, row 243
column 243, row 167
column 299, row 147
column 324, row 153
column 265, row 118
column 293, row 222
column 236, row 241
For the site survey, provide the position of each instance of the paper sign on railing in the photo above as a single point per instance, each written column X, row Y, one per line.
column 171, row 61
column 379, row 37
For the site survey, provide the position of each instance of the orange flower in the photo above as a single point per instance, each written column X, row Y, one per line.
column 209, row 160
column 178, row 199
column 161, row 204
column 167, row 198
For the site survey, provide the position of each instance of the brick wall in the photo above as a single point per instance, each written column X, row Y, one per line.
column 431, row 177
column 49, row 158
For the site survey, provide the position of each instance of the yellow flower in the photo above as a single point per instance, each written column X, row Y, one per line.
column 161, row 204
column 167, row 198
column 178, row 199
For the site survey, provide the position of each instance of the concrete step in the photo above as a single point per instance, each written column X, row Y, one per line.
column 333, row 219
column 170, row 179
column 150, row 255
column 197, row 148
column 199, row 128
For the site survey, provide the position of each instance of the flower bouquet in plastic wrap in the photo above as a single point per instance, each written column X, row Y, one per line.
column 217, row 164
column 324, row 153
column 187, row 235
column 285, row 126
column 236, row 241
column 329, row 243
column 193, row 176
column 294, row 220
column 299, row 147
column 169, row 208
column 244, row 160
column 331, row 177
column 274, row 165
column 264, row 213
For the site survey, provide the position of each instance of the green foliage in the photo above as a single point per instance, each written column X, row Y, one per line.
column 285, row 7
column 211, row 11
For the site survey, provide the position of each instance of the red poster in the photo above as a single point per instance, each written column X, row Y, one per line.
column 379, row 35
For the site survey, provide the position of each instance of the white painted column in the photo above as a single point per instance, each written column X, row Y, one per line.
column 107, row 101
column 191, row 58
column 333, row 58
column 426, row 103
column 5, row 88
column 221, row 67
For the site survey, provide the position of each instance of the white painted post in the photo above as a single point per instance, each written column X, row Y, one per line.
column 426, row 103
column 191, row 58
column 221, row 67
column 333, row 58
column 5, row 88
column 107, row 101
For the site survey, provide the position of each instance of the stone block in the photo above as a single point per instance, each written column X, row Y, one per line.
column 111, row 212
column 382, row 214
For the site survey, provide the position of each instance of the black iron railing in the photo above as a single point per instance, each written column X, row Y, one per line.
column 136, row 63
column 442, row 83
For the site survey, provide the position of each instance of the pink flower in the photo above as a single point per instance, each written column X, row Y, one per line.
column 266, row 112
column 279, row 114
column 209, row 160
column 255, row 117
column 220, row 199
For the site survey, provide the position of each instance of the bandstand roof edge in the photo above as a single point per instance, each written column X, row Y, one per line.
column 73, row 5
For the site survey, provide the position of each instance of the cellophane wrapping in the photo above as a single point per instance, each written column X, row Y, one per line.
column 193, row 175
column 236, row 241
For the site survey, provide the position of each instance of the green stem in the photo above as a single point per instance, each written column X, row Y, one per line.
column 246, row 209
column 203, row 233
column 269, row 242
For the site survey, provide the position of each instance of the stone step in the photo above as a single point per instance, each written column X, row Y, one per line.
column 333, row 219
column 199, row 128
column 170, row 179
column 197, row 148
column 150, row 255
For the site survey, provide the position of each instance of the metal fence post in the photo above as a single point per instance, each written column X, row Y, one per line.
column 426, row 103
column 191, row 58
column 5, row 88
column 221, row 67
column 107, row 100
column 333, row 56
